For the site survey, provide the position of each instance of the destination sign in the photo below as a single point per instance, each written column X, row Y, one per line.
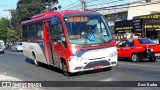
column 78, row 19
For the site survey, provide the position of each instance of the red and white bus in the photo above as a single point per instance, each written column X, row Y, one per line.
column 71, row 40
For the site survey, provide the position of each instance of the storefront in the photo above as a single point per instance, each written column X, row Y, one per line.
column 150, row 24
column 122, row 29
column 142, row 26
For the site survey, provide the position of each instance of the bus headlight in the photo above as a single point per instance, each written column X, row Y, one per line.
column 73, row 49
column 112, row 54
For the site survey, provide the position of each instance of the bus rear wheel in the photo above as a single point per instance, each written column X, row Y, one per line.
column 35, row 61
column 64, row 69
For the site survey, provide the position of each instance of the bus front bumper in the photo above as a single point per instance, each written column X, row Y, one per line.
column 77, row 64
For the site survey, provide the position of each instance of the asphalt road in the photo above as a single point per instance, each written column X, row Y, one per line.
column 15, row 66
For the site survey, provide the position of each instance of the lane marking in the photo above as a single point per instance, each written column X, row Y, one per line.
column 5, row 65
column 8, row 78
column 139, row 65
column 109, row 79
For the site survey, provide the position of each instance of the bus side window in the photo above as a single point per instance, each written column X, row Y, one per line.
column 25, row 32
column 39, row 30
column 55, row 34
column 32, row 31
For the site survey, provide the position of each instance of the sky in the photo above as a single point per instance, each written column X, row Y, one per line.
column 66, row 4
column 75, row 4
column 6, row 5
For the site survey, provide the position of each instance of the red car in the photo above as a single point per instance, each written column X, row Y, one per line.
column 136, row 49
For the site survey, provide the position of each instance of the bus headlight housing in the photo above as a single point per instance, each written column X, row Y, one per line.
column 112, row 54
column 73, row 48
column 76, row 58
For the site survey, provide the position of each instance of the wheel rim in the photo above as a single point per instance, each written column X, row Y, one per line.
column 65, row 69
column 134, row 57
column 35, row 62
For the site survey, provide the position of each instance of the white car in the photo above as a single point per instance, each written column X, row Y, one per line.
column 17, row 47
column 1, row 49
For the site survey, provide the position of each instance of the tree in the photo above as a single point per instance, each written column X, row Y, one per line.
column 4, row 25
column 6, row 33
column 28, row 8
column 13, row 35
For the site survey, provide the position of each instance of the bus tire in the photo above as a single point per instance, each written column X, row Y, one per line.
column 35, row 60
column 64, row 69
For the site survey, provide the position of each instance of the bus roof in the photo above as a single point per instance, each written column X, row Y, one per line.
column 50, row 14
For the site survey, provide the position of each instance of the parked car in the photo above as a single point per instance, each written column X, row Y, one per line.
column 17, row 47
column 136, row 49
column 1, row 49
column 2, row 43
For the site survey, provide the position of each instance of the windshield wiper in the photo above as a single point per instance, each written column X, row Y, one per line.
column 100, row 38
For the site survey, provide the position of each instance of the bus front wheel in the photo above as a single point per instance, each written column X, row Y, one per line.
column 64, row 69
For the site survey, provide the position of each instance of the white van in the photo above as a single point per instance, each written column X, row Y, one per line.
column 2, row 43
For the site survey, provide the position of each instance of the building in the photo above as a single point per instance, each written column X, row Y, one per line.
column 129, row 11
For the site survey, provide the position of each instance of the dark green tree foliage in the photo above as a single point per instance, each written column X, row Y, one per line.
column 4, row 25
column 26, row 9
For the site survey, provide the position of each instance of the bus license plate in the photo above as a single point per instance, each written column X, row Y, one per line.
column 157, row 54
column 97, row 67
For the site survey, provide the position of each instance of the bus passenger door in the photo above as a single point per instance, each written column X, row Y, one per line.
column 48, row 43
column 58, row 38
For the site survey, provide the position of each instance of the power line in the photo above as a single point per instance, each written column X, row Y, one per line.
column 115, row 7
column 72, row 4
column 73, row 7
column 105, row 3
column 93, row 1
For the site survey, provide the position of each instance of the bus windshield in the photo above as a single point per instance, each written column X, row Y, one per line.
column 88, row 30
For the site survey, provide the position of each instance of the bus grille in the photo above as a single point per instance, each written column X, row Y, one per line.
column 97, row 63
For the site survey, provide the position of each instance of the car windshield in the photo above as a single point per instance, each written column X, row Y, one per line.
column 88, row 29
column 146, row 41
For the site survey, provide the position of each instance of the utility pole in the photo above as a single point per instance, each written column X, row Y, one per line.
column 9, row 10
column 83, row 3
